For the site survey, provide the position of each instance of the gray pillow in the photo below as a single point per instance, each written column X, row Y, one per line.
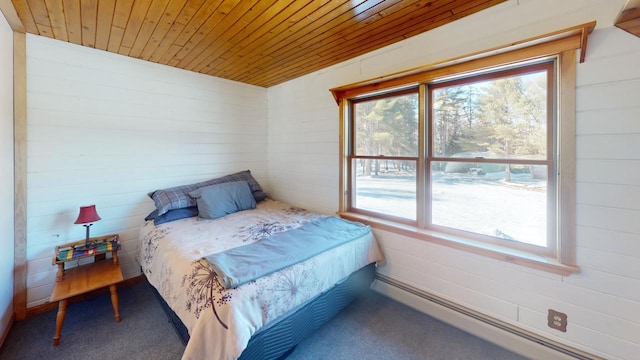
column 216, row 201
column 178, row 198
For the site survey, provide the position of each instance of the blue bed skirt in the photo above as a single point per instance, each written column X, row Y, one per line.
column 280, row 338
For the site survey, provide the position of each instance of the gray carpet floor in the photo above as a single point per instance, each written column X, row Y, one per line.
column 372, row 327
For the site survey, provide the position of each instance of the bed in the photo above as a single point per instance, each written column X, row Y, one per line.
column 260, row 317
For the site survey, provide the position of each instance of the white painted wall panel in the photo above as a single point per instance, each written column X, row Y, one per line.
column 615, row 95
column 616, row 218
column 610, row 146
column 603, row 301
column 610, row 121
column 610, row 195
column 6, row 175
column 106, row 129
column 627, row 172
column 623, row 265
column 609, row 240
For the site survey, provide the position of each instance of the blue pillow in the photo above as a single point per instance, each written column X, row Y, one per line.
column 216, row 201
column 172, row 215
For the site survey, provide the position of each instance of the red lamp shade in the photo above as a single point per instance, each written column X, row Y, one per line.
column 87, row 214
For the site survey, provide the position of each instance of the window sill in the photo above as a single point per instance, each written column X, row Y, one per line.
column 489, row 250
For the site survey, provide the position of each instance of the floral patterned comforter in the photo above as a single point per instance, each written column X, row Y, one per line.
column 221, row 322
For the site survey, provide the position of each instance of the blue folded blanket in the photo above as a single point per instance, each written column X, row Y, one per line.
column 249, row 262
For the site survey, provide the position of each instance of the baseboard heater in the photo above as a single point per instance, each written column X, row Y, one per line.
column 561, row 350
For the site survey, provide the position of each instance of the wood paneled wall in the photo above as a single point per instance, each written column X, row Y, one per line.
column 106, row 129
column 20, row 172
column 602, row 302
column 6, row 179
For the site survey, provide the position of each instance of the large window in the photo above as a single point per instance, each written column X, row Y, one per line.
column 490, row 156
column 478, row 155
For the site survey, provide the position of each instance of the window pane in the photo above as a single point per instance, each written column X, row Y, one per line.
column 385, row 186
column 504, row 201
column 387, row 126
column 500, row 118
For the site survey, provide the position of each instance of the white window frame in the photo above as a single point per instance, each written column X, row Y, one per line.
column 562, row 46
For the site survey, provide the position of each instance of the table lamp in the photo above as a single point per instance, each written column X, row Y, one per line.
column 87, row 217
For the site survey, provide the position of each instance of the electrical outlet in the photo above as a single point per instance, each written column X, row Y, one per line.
column 557, row 320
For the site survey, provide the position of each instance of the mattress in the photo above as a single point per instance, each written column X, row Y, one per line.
column 279, row 339
column 221, row 321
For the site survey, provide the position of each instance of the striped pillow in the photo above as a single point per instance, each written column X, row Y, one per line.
column 178, row 197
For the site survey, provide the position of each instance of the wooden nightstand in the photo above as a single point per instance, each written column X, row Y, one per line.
column 82, row 279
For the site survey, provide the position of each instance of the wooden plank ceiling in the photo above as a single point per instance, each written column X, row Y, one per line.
column 629, row 18
column 260, row 42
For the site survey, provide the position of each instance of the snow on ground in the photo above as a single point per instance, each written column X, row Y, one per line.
column 484, row 204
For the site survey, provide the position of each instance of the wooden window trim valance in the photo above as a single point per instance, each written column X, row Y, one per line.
column 572, row 38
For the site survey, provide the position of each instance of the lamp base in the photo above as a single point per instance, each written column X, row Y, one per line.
column 86, row 246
